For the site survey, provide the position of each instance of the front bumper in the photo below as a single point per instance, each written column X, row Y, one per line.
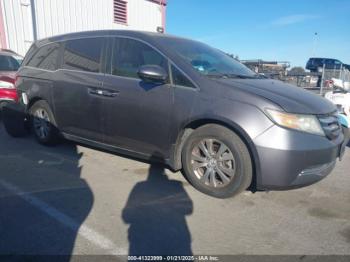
column 292, row 159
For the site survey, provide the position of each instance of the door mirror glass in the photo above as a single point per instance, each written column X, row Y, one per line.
column 152, row 73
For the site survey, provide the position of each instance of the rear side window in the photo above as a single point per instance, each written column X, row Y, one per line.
column 8, row 63
column 179, row 79
column 46, row 57
column 315, row 61
column 129, row 55
column 329, row 62
column 29, row 54
column 320, row 62
column 83, row 54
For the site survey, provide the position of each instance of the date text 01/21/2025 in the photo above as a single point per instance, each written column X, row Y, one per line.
column 173, row 258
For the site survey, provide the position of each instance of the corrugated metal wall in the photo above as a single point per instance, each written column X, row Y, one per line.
column 18, row 24
column 63, row 16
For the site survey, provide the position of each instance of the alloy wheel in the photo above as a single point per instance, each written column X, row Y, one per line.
column 213, row 163
column 41, row 123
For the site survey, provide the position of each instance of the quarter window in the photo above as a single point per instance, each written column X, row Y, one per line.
column 46, row 57
column 179, row 79
column 83, row 54
column 129, row 55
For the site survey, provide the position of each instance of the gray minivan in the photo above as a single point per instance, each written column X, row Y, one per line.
column 181, row 102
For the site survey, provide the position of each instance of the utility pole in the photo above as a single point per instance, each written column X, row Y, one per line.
column 314, row 44
column 35, row 31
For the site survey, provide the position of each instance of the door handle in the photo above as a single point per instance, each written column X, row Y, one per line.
column 109, row 93
column 94, row 91
column 101, row 92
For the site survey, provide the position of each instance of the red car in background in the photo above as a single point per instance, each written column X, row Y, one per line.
column 9, row 64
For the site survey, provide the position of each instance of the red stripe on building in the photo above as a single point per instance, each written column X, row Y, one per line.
column 163, row 4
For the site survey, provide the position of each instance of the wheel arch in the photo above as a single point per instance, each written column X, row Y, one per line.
column 36, row 99
column 176, row 162
column 33, row 100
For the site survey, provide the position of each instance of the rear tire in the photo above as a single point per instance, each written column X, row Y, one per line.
column 2, row 105
column 14, row 120
column 43, row 123
column 217, row 162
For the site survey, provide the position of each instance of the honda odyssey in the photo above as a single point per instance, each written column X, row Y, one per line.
column 182, row 102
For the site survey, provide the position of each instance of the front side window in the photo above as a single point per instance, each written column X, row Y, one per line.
column 83, row 54
column 205, row 59
column 129, row 55
column 46, row 57
column 8, row 63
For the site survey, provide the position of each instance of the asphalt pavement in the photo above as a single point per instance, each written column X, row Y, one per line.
column 71, row 199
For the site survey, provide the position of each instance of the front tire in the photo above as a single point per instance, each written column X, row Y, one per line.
column 43, row 123
column 217, row 162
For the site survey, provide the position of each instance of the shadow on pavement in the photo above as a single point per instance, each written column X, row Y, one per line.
column 156, row 212
column 44, row 202
column 43, row 199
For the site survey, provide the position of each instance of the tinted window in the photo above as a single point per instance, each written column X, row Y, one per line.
column 330, row 62
column 45, row 57
column 29, row 54
column 83, row 54
column 316, row 61
column 179, row 79
column 129, row 55
column 8, row 63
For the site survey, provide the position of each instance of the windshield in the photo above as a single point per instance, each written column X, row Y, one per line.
column 8, row 63
column 207, row 60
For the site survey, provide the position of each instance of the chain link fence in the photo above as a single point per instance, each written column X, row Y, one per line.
column 320, row 82
column 342, row 74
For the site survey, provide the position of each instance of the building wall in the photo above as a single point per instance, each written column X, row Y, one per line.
column 63, row 16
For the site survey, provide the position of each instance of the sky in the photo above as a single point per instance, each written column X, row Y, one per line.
column 275, row 30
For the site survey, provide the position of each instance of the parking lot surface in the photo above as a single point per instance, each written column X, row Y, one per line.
column 71, row 199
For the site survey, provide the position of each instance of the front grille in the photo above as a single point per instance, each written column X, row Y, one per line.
column 330, row 125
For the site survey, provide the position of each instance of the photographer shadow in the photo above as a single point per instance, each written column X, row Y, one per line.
column 44, row 200
column 156, row 212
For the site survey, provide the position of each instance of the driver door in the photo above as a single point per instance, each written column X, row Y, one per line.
column 138, row 117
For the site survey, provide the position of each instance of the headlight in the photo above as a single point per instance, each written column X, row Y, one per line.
column 306, row 123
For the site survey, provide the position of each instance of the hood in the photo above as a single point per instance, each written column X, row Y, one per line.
column 291, row 98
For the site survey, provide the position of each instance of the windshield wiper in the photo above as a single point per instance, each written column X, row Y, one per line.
column 232, row 76
column 239, row 76
column 229, row 75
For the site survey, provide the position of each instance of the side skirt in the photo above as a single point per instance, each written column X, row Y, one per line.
column 114, row 149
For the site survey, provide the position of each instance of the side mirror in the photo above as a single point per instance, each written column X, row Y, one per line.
column 152, row 73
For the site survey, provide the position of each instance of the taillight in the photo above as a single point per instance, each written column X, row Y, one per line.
column 8, row 89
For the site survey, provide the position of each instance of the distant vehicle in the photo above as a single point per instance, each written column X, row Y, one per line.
column 340, row 96
column 178, row 101
column 16, row 56
column 316, row 64
column 9, row 64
